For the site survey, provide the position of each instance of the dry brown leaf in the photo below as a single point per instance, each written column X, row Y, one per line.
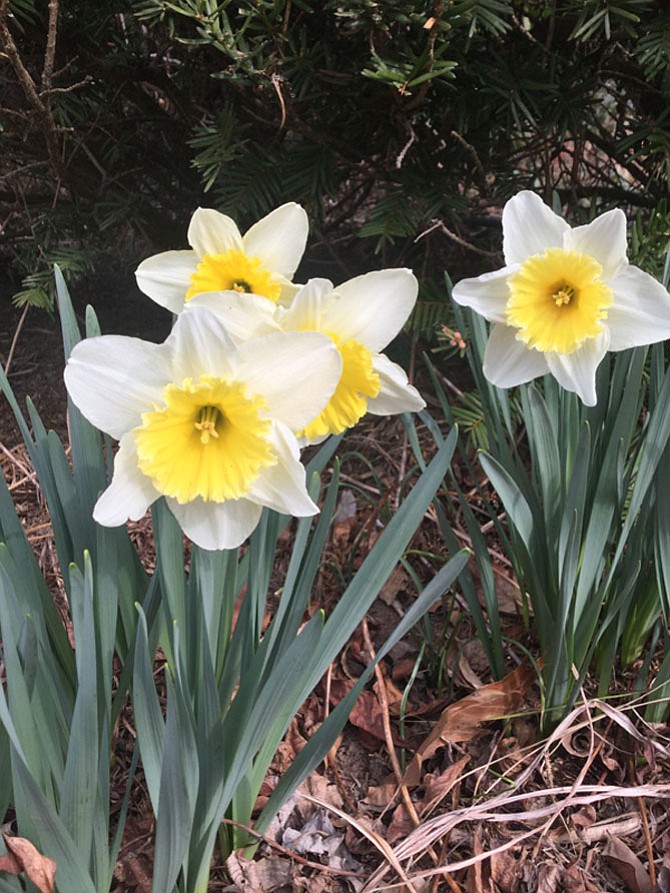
column 243, row 873
column 548, row 877
column 626, row 864
column 345, row 519
column 505, row 871
column 367, row 713
column 478, row 878
column 584, row 817
column 574, row 881
column 398, row 582
column 461, row 721
column 393, row 694
column 438, row 786
column 289, row 748
column 382, row 794
column 508, row 594
column 400, row 826
column 464, row 673
column 24, row 857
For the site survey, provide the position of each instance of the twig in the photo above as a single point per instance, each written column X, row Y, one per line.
column 41, row 108
column 645, row 827
column 388, row 733
column 50, row 52
column 319, row 866
column 473, row 152
column 439, row 224
column 12, row 346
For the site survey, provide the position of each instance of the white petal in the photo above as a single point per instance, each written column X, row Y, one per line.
column 371, row 309
column 508, row 362
column 200, row 345
column 488, row 294
column 130, row 494
column 640, row 313
column 282, row 486
column 396, row 394
column 305, row 312
column 530, row 227
column 113, row 379
column 211, row 232
column 279, row 239
column 217, row 525
column 166, row 277
column 288, row 289
column 576, row 371
column 296, row 373
column 604, row 238
column 244, row 316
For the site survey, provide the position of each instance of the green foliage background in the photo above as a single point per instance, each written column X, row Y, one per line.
column 402, row 127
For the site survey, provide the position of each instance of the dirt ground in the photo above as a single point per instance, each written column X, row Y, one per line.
column 451, row 790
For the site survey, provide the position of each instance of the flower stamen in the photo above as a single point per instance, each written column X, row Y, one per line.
column 208, row 418
column 563, row 294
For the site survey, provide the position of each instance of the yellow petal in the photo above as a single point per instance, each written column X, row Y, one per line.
column 233, row 271
column 209, row 440
column 358, row 383
column 557, row 300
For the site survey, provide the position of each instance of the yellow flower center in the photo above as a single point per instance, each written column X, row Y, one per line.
column 557, row 300
column 349, row 403
column 209, row 440
column 232, row 271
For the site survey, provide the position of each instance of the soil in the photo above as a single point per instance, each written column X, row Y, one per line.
column 414, row 786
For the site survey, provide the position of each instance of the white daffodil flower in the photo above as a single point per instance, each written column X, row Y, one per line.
column 260, row 262
column 565, row 297
column 361, row 317
column 205, row 422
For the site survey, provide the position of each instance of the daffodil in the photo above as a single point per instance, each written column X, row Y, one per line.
column 565, row 297
column 205, row 422
column 260, row 262
column 361, row 317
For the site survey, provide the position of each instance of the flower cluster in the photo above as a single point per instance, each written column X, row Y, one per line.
column 255, row 367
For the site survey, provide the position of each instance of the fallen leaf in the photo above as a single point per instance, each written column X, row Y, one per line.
column 505, row 871
column 381, row 795
column 462, row 721
column 574, row 881
column 366, row 714
column 400, row 826
column 243, row 873
column 23, row 857
column 345, row 518
column 626, row 864
column 584, row 818
column 548, row 877
column 478, row 878
column 398, row 582
column 508, row 594
column 438, row 786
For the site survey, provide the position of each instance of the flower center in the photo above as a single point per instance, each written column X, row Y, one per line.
column 349, row 403
column 233, row 271
column 208, row 418
column 557, row 299
column 209, row 439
